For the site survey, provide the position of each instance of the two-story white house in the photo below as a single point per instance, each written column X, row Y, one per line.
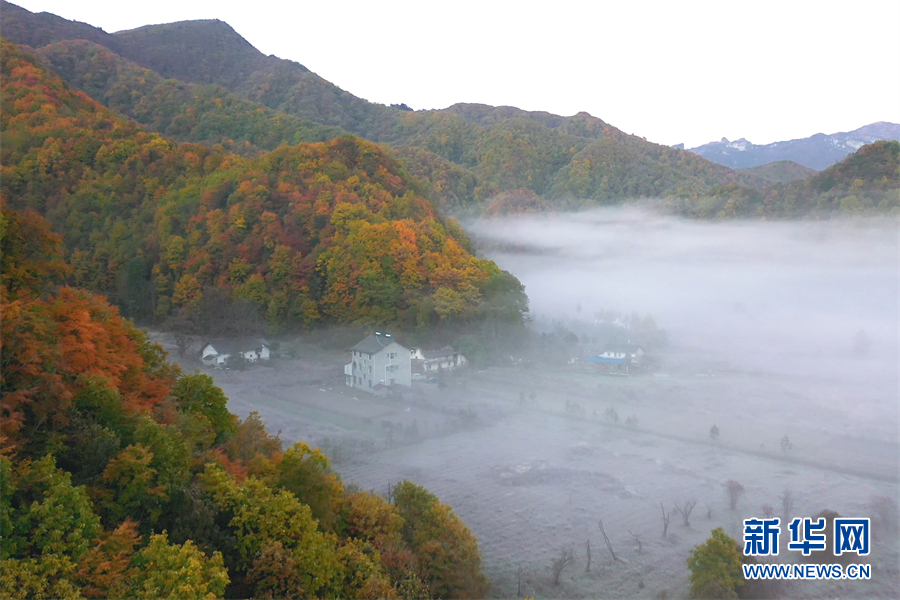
column 377, row 362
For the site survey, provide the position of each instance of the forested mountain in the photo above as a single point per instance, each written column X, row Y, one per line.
column 186, row 112
column 122, row 477
column 815, row 152
column 207, row 52
column 573, row 161
column 464, row 156
column 330, row 232
column 782, row 171
column 866, row 182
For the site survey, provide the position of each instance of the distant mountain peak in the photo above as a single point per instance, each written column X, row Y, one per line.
column 815, row 152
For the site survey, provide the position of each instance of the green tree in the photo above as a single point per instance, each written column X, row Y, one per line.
column 716, row 567
column 446, row 551
column 305, row 473
column 60, row 520
column 197, row 393
column 177, row 571
column 258, row 516
column 46, row 577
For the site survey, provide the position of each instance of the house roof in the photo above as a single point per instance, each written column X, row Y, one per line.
column 603, row 359
column 375, row 343
column 445, row 351
column 627, row 348
column 235, row 345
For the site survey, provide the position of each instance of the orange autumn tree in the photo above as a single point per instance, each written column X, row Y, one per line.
column 57, row 348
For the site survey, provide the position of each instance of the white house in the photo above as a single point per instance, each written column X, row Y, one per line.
column 380, row 361
column 431, row 361
column 622, row 351
column 215, row 353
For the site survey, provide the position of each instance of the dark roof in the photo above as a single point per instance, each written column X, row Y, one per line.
column 235, row 345
column 445, row 351
column 374, row 343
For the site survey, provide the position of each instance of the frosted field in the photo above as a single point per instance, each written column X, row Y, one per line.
column 531, row 480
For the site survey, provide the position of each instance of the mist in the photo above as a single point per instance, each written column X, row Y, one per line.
column 782, row 338
column 784, row 297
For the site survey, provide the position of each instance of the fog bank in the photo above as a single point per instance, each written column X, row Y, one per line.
column 786, row 298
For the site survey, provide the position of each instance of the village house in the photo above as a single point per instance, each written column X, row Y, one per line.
column 378, row 363
column 432, row 361
column 623, row 358
column 216, row 353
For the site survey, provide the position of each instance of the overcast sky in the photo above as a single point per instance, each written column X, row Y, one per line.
column 672, row 72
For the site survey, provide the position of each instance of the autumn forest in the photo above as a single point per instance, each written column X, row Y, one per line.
column 145, row 185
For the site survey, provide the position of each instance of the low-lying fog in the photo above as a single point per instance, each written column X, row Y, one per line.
column 763, row 323
column 783, row 297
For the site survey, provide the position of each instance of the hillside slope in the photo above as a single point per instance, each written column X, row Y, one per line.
column 329, row 232
column 782, row 171
column 186, row 112
column 123, row 477
column 865, row 183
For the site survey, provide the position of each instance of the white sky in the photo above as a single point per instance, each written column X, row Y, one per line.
column 677, row 71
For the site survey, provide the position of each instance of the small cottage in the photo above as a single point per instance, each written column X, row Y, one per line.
column 216, row 353
column 618, row 358
column 432, row 361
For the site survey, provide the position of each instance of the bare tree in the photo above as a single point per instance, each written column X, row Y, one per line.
column 636, row 539
column 587, row 547
column 519, row 582
column 786, row 443
column 665, row 517
column 768, row 511
column 611, row 414
column 734, row 490
column 885, row 516
column 183, row 328
column 606, row 539
column 686, row 511
column 184, row 342
column 565, row 559
column 708, row 512
column 787, row 505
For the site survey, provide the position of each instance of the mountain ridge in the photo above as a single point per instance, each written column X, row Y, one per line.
column 465, row 155
column 817, row 151
column 504, row 148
